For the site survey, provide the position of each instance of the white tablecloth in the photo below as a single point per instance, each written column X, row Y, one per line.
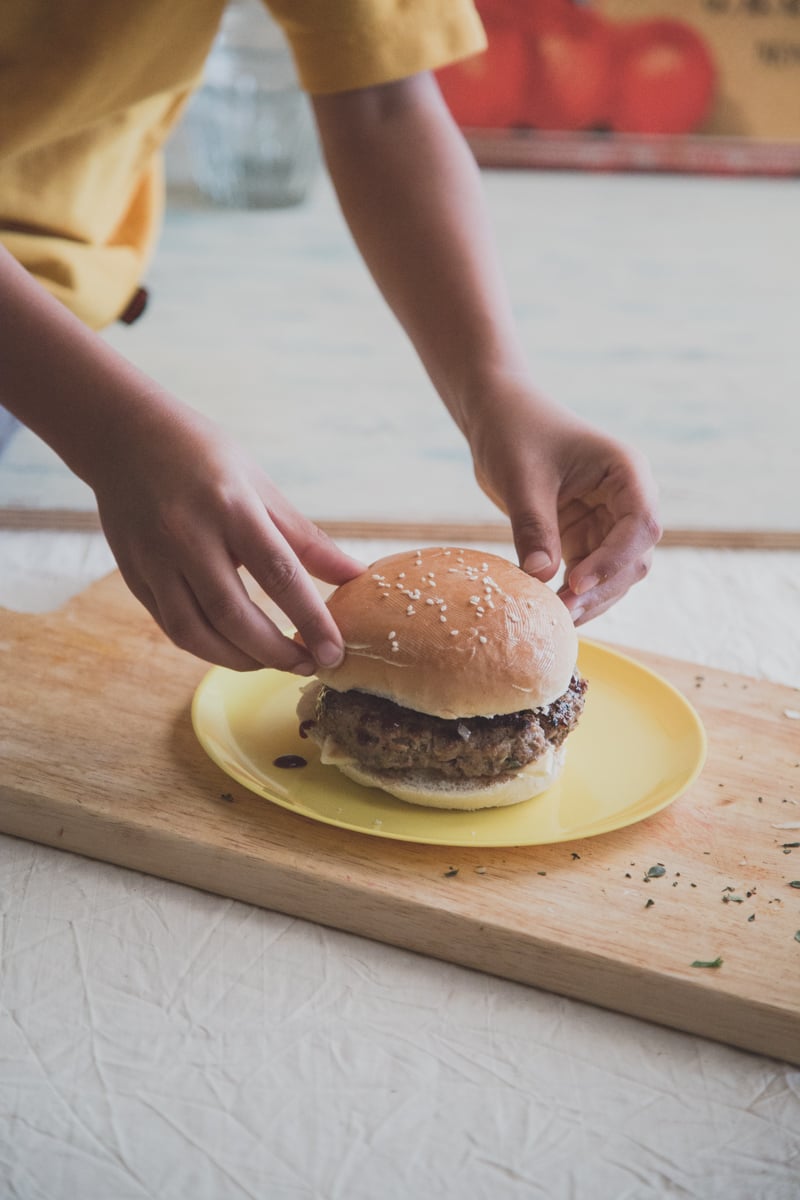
column 159, row 1042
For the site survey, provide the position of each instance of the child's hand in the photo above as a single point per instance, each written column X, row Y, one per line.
column 183, row 508
column 571, row 492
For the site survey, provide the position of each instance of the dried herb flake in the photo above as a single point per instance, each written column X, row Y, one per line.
column 451, row 872
column 656, row 872
column 717, row 962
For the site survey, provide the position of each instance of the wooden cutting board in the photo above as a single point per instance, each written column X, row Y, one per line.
column 97, row 756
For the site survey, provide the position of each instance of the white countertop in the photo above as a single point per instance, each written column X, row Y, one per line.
column 156, row 1041
column 662, row 309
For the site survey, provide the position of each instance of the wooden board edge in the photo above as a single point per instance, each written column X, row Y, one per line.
column 15, row 519
column 689, row 1006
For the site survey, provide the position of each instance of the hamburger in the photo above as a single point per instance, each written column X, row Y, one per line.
column 458, row 687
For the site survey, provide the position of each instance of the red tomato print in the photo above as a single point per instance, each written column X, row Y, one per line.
column 664, row 78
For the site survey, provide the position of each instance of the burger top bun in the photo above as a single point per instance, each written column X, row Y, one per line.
column 453, row 633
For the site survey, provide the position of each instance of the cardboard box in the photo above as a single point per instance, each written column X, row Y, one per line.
column 698, row 85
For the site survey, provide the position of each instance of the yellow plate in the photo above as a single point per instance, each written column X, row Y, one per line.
column 637, row 748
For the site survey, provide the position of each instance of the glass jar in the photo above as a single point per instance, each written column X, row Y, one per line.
column 250, row 130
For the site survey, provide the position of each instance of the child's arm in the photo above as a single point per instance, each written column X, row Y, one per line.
column 410, row 191
column 181, row 506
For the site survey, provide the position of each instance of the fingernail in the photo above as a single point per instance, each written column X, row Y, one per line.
column 303, row 667
column 577, row 613
column 538, row 561
column 585, row 585
column 328, row 654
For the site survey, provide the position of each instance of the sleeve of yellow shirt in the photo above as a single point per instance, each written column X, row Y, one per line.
column 339, row 45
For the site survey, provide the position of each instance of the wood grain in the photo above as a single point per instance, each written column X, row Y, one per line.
column 448, row 532
column 99, row 758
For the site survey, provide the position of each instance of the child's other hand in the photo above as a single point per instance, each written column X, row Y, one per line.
column 571, row 493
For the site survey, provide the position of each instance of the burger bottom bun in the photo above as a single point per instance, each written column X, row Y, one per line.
column 424, row 788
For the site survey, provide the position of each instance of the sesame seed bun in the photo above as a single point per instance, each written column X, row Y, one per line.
column 452, row 633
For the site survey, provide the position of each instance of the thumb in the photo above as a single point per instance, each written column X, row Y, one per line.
column 537, row 542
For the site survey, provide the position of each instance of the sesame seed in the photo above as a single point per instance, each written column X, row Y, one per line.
column 443, row 619
column 392, row 635
column 395, row 647
column 482, row 640
column 401, row 575
column 453, row 632
column 474, row 599
column 429, row 600
column 410, row 610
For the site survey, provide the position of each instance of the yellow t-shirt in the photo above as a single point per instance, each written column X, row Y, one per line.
column 89, row 90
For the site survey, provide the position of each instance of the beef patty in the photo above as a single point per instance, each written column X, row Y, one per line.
column 387, row 737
